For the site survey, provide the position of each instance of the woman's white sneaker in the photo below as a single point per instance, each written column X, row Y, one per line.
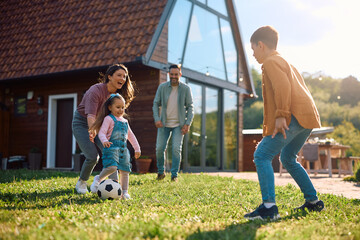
column 81, row 187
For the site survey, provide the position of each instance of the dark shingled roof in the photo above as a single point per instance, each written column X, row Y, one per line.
column 49, row 36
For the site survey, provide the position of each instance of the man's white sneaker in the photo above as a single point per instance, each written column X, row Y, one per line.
column 126, row 196
column 81, row 187
column 94, row 186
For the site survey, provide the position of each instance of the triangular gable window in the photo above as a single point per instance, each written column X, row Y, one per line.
column 203, row 52
column 178, row 27
column 199, row 36
column 218, row 5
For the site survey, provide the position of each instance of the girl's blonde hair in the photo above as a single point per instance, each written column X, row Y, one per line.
column 105, row 111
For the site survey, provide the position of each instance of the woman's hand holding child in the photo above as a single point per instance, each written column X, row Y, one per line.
column 92, row 135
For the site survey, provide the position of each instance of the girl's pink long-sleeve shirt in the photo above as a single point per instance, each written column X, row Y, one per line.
column 107, row 128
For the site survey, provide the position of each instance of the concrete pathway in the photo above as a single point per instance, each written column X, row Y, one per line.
column 322, row 182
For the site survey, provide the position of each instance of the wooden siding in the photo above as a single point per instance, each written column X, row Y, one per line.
column 30, row 130
column 249, row 144
column 141, row 117
column 161, row 50
column 4, row 131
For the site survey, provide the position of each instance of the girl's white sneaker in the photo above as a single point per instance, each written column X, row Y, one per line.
column 94, row 186
column 126, row 196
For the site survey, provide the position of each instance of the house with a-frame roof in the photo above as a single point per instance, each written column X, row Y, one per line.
column 52, row 51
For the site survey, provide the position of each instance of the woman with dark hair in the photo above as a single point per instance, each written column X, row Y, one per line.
column 115, row 80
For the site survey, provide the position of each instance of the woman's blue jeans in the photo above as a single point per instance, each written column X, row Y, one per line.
column 88, row 148
column 269, row 147
column 163, row 136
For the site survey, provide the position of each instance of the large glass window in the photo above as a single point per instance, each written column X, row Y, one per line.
column 218, row 5
column 229, row 51
column 202, row 1
column 203, row 51
column 194, row 142
column 230, row 130
column 212, row 128
column 178, row 25
column 202, row 40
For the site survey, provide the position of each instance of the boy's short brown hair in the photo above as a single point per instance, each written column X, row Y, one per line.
column 267, row 34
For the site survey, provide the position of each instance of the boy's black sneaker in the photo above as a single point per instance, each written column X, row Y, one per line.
column 318, row 207
column 264, row 213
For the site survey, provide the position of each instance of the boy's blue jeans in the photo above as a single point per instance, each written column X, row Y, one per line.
column 269, row 147
column 163, row 135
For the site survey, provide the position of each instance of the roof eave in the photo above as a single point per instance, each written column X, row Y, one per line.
column 241, row 50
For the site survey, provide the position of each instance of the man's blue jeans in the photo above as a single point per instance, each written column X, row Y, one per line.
column 269, row 147
column 163, row 136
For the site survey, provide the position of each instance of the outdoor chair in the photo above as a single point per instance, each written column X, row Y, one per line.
column 309, row 153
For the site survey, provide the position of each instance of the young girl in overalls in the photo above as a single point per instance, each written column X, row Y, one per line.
column 113, row 134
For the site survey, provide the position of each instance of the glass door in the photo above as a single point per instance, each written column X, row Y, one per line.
column 202, row 144
column 212, row 129
column 193, row 139
column 230, row 130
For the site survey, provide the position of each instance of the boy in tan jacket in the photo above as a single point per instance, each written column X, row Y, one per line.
column 290, row 115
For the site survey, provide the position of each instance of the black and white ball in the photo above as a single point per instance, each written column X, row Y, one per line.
column 109, row 189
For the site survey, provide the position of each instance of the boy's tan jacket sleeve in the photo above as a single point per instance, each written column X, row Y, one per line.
column 285, row 94
column 280, row 85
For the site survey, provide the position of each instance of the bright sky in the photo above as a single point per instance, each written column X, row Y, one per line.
column 315, row 35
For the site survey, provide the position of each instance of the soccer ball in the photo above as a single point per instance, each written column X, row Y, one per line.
column 109, row 189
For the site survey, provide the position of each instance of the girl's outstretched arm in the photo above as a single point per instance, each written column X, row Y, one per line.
column 134, row 142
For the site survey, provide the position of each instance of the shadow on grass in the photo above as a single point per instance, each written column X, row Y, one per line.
column 17, row 175
column 43, row 200
column 355, row 201
column 245, row 230
column 238, row 231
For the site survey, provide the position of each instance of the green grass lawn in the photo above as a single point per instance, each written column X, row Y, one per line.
column 44, row 205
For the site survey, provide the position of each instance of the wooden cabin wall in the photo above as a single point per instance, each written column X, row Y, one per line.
column 160, row 52
column 141, row 116
column 249, row 143
column 30, row 130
